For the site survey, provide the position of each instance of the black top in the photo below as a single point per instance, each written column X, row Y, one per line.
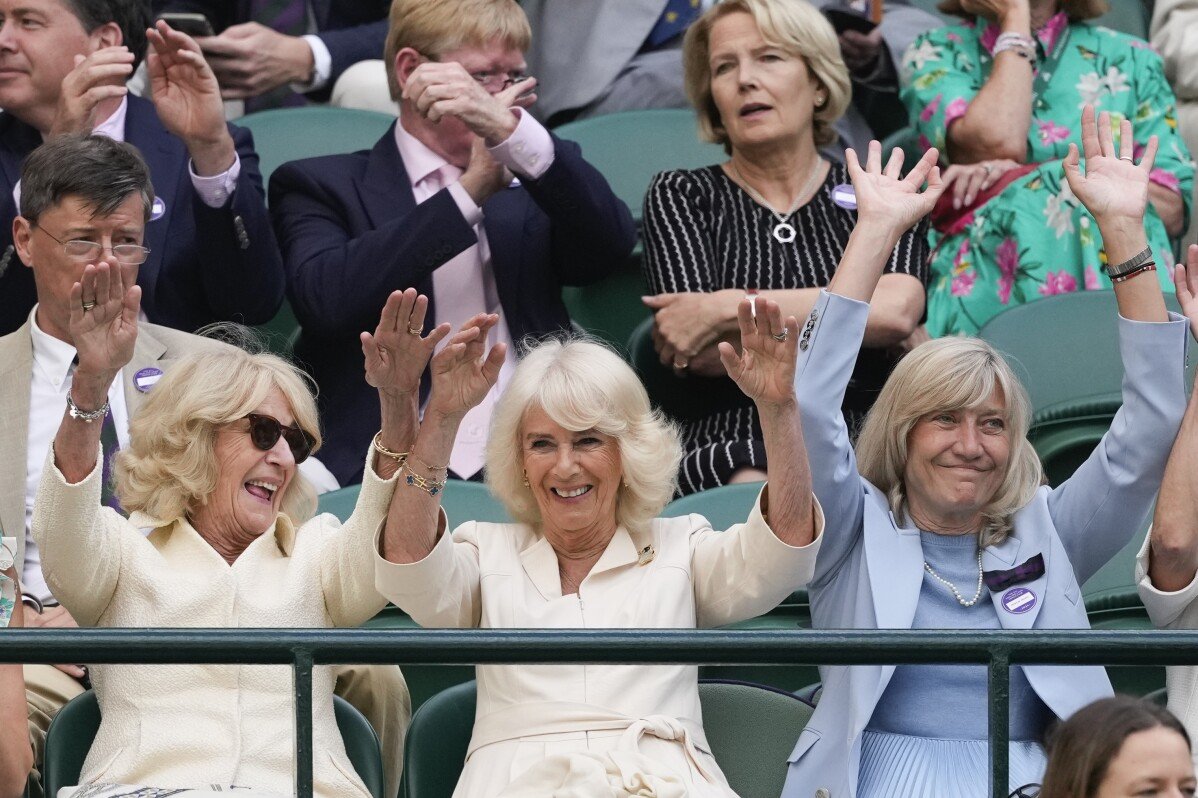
column 703, row 232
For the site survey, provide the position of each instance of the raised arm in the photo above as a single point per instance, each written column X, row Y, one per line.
column 1099, row 508
column 886, row 207
column 1173, row 552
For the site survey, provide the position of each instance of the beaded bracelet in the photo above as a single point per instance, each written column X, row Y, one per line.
column 430, row 486
column 1150, row 266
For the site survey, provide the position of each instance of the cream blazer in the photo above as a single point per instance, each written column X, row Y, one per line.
column 680, row 573
column 197, row 725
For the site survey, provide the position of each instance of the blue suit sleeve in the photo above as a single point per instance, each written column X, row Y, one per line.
column 828, row 344
column 1106, row 501
column 348, row 46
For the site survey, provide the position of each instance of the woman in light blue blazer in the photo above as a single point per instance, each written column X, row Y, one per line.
column 940, row 520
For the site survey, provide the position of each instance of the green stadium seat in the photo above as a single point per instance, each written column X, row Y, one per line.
column 751, row 728
column 463, row 501
column 723, row 506
column 288, row 134
column 70, row 736
column 630, row 147
column 611, row 308
column 685, row 398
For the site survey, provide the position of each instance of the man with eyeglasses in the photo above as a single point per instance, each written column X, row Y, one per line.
column 63, row 67
column 87, row 199
column 467, row 198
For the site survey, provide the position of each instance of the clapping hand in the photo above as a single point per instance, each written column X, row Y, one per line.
column 1114, row 187
column 765, row 369
column 462, row 376
column 440, row 89
column 886, row 198
column 96, row 78
column 398, row 352
column 103, row 323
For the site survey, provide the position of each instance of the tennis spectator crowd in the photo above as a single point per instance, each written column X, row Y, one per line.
column 544, row 314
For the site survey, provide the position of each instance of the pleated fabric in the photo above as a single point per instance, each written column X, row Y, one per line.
column 903, row 766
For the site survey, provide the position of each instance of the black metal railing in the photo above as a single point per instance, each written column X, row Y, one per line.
column 302, row 649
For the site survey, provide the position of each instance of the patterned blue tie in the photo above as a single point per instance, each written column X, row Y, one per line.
column 674, row 19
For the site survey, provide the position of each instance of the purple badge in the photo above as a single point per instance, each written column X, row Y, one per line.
column 1018, row 600
column 844, row 196
column 144, row 380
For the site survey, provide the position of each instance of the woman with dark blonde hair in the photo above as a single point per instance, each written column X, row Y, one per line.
column 1118, row 747
column 998, row 95
column 938, row 519
column 767, row 82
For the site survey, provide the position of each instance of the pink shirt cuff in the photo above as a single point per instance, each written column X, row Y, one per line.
column 216, row 190
column 529, row 150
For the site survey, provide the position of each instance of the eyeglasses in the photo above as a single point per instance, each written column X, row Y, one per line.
column 1026, row 791
column 265, row 432
column 498, row 81
column 91, row 251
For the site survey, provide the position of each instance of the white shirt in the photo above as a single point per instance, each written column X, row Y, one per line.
column 48, row 389
column 465, row 286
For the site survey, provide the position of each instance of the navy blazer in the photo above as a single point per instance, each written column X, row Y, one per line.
column 352, row 233
column 205, row 265
column 353, row 30
column 869, row 569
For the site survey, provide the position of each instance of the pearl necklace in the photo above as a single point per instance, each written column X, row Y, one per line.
column 784, row 231
column 953, row 588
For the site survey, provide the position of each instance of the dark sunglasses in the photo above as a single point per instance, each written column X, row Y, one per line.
column 265, row 432
column 1026, row 791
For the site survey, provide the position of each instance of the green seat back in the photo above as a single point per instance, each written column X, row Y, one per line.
column 751, row 729
column 463, row 501
column 1113, row 586
column 611, row 308
column 630, row 147
column 723, row 506
column 288, row 134
column 688, row 398
column 70, row 736
column 338, row 502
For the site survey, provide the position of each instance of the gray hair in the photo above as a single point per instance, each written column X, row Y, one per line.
column 103, row 173
column 584, row 385
column 950, row 374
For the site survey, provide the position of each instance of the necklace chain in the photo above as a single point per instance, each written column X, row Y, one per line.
column 781, row 217
column 953, row 588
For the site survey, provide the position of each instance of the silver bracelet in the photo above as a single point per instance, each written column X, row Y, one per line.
column 1128, row 266
column 86, row 416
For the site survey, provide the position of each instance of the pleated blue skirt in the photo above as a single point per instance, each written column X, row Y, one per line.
column 903, row 766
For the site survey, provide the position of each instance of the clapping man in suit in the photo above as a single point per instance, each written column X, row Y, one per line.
column 63, row 66
column 467, row 198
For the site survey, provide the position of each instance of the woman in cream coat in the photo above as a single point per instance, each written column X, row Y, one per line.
column 585, row 465
column 939, row 518
column 211, row 474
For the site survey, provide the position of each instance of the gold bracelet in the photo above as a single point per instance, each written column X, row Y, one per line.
column 399, row 457
column 430, row 486
column 428, row 467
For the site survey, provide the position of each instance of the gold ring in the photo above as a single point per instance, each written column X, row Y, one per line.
column 681, row 366
column 88, row 306
column 415, row 331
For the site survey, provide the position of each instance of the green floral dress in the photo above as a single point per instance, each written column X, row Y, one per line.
column 1035, row 239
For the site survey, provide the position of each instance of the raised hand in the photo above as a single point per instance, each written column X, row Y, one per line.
column 444, row 88
column 103, row 324
column 97, row 77
column 765, row 369
column 462, row 376
column 886, row 199
column 398, row 351
column 1114, row 187
column 187, row 98
column 1185, row 280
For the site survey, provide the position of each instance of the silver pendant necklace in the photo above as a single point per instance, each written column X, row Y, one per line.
column 784, row 231
column 953, row 588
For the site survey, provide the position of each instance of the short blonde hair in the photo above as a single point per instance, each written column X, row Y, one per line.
column 950, row 374
column 169, row 468
column 1076, row 10
column 434, row 27
column 584, row 385
column 796, row 27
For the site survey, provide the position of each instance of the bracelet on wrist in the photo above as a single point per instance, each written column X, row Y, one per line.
column 426, row 466
column 1150, row 266
column 430, row 486
column 398, row 457
column 1130, row 265
column 86, row 416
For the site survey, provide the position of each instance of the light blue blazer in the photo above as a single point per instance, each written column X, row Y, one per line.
column 870, row 568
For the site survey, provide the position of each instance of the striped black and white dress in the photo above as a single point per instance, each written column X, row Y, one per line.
column 703, row 232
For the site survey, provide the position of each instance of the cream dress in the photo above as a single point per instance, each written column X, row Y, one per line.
column 680, row 573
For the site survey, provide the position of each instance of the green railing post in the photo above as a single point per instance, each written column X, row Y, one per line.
column 302, row 671
column 999, row 678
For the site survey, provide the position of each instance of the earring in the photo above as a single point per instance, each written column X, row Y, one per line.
column 526, row 480
column 820, row 100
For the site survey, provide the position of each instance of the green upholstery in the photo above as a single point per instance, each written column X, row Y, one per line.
column 751, row 728
column 280, row 333
column 338, row 502
column 74, row 727
column 288, row 134
column 723, row 506
column 630, row 147
column 1114, row 586
column 688, row 398
column 1065, row 445
column 463, row 501
column 1127, row 16
column 611, row 308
